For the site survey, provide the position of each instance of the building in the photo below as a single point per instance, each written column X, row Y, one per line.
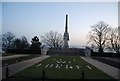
column 66, row 34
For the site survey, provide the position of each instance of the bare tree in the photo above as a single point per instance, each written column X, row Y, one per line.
column 1, row 41
column 16, row 43
column 52, row 39
column 20, row 43
column 98, row 35
column 7, row 41
column 24, row 43
column 114, row 41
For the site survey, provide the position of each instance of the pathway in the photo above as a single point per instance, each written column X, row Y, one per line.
column 110, row 70
column 14, row 68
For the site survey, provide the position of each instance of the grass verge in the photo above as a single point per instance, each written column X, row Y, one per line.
column 19, row 59
column 7, row 54
column 35, row 71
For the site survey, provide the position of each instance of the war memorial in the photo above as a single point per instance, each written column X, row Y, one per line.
column 61, row 64
column 66, row 50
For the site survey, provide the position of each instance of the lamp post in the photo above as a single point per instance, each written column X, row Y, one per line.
column 82, row 73
column 43, row 75
column 7, row 72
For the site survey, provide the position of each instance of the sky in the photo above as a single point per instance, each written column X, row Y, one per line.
column 36, row 18
column 118, row 14
column 0, row 18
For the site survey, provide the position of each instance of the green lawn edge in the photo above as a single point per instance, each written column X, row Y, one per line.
column 52, row 73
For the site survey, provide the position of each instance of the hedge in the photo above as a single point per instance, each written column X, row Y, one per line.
column 105, row 54
column 25, row 51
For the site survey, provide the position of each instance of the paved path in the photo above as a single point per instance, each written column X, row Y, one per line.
column 12, row 56
column 112, row 71
column 14, row 68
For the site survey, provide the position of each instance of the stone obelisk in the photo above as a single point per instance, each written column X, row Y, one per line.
column 66, row 34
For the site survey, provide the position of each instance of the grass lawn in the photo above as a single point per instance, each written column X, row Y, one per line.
column 63, row 67
column 19, row 59
column 7, row 54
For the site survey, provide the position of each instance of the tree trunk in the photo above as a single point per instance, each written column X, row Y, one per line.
column 100, row 49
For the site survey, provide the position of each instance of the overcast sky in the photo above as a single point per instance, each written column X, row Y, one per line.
column 36, row 18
